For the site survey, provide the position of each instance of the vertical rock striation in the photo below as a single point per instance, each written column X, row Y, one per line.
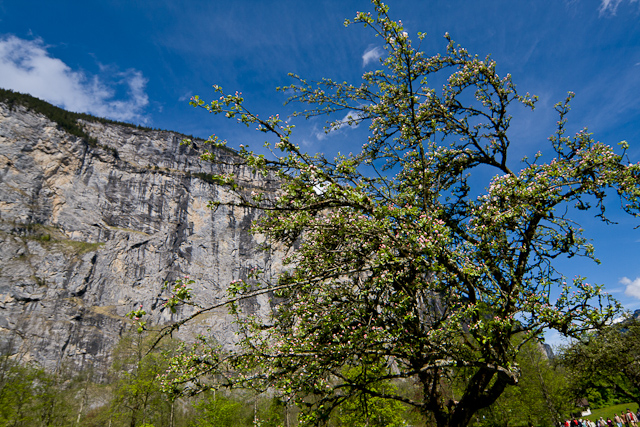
column 89, row 231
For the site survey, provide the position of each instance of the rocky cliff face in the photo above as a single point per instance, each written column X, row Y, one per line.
column 89, row 232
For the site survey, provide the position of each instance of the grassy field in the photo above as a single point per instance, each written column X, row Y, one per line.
column 609, row 412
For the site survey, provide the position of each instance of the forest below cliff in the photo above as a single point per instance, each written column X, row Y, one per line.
column 128, row 393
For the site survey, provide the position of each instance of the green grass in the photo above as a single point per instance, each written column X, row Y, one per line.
column 48, row 236
column 609, row 411
column 81, row 248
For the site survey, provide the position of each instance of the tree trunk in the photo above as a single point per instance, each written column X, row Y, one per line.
column 82, row 402
column 479, row 394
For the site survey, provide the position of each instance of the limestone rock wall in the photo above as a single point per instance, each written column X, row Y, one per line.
column 89, row 232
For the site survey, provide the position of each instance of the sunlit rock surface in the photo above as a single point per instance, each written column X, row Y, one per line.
column 90, row 231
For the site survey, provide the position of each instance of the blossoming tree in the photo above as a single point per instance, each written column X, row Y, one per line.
column 398, row 269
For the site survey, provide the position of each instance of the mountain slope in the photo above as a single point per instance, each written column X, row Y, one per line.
column 92, row 223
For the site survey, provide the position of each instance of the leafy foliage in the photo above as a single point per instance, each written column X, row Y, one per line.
column 395, row 258
column 540, row 398
column 222, row 410
column 605, row 364
column 29, row 396
column 137, row 396
column 365, row 410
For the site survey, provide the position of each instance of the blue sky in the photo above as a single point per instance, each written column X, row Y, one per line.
column 140, row 61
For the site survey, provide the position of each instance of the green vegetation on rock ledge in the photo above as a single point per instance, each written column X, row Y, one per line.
column 48, row 235
column 68, row 120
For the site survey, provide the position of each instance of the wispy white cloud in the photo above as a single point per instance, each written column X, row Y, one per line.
column 319, row 133
column 350, row 121
column 373, row 53
column 26, row 66
column 633, row 287
column 611, row 6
